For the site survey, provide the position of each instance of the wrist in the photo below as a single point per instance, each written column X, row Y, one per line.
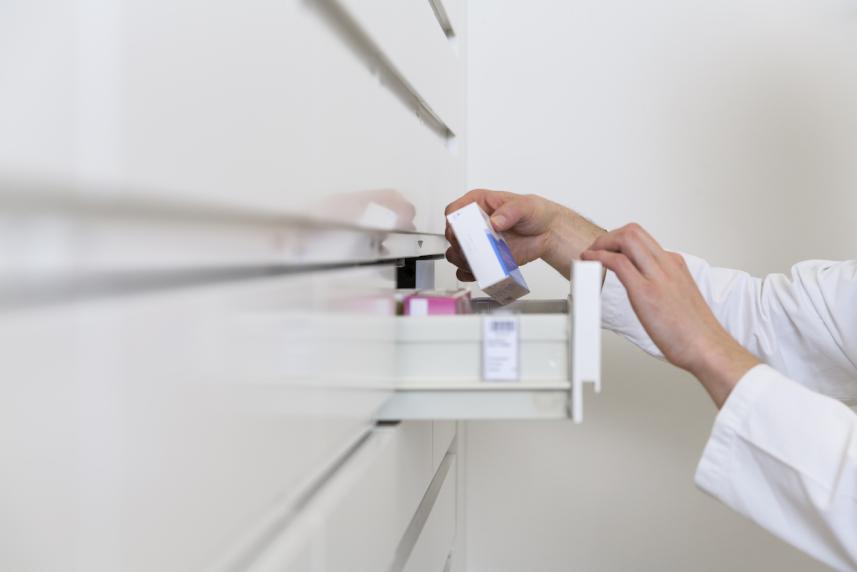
column 568, row 235
column 721, row 366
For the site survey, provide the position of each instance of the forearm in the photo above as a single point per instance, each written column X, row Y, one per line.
column 721, row 366
column 569, row 235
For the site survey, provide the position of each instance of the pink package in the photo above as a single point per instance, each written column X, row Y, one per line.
column 436, row 303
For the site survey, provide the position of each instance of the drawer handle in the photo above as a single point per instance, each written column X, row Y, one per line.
column 585, row 332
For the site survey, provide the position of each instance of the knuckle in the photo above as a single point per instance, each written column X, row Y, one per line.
column 465, row 198
column 598, row 242
column 634, row 230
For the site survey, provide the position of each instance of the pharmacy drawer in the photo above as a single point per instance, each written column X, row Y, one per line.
column 433, row 547
column 237, row 104
column 456, row 367
column 358, row 517
column 435, row 350
column 412, row 38
column 150, row 431
column 442, row 436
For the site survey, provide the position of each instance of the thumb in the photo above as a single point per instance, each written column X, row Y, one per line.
column 511, row 213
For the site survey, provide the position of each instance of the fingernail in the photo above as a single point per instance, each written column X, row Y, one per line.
column 498, row 221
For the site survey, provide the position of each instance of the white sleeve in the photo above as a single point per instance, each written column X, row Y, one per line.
column 617, row 315
column 786, row 458
column 803, row 324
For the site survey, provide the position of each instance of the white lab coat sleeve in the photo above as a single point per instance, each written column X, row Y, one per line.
column 618, row 316
column 803, row 324
column 786, row 458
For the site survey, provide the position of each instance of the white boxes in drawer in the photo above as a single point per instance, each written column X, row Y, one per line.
column 437, row 351
column 533, row 367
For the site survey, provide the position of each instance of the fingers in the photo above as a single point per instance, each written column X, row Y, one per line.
column 620, row 264
column 464, row 276
column 510, row 213
column 463, row 272
column 455, row 256
column 487, row 199
column 476, row 195
column 636, row 244
column 450, row 236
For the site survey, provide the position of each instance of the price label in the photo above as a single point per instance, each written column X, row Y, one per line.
column 500, row 348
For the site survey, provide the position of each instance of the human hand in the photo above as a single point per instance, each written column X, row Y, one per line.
column 533, row 226
column 672, row 310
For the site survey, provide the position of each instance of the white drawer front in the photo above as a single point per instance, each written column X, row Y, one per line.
column 434, row 545
column 357, row 519
column 413, row 39
column 148, row 431
column 279, row 106
column 440, row 362
column 437, row 350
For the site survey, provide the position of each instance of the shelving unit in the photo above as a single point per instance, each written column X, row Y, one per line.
column 202, row 214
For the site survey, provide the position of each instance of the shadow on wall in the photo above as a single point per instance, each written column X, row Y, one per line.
column 615, row 493
column 729, row 130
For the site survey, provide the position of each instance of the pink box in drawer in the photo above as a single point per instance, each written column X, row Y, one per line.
column 436, row 303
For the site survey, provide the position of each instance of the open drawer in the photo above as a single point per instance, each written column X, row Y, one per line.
column 456, row 367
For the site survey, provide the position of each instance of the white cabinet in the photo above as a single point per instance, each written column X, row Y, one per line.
column 432, row 550
column 201, row 209
column 440, row 360
column 384, row 508
column 311, row 107
column 160, row 426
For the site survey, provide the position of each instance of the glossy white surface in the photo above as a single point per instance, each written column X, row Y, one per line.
column 270, row 105
column 150, row 431
column 585, row 332
column 408, row 33
column 48, row 239
column 435, row 543
column 357, row 519
column 180, row 379
column 455, row 346
column 443, row 432
column 479, row 402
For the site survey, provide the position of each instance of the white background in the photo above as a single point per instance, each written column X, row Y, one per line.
column 729, row 129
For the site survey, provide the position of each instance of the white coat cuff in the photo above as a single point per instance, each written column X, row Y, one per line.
column 713, row 471
column 616, row 311
column 617, row 315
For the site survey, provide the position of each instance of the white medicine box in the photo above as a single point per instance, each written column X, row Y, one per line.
column 487, row 254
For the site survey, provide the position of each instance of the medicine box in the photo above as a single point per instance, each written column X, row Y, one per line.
column 436, row 302
column 488, row 254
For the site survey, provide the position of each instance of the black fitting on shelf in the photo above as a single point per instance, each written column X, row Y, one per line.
column 406, row 273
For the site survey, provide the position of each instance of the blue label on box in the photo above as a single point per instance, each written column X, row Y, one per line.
column 503, row 253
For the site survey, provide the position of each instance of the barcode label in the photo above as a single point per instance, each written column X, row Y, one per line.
column 500, row 348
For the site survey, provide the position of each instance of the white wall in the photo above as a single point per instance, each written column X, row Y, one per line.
column 729, row 129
